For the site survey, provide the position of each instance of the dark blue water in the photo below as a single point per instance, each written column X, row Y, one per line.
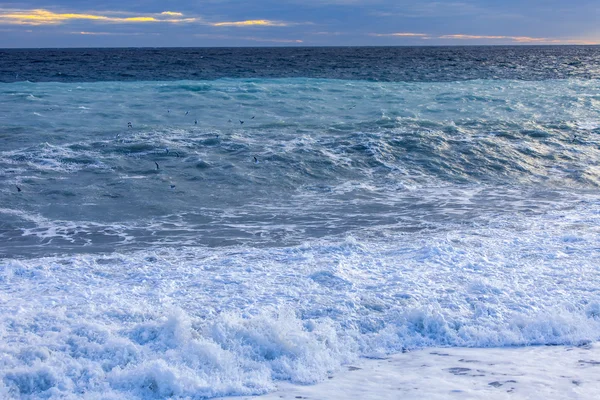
column 388, row 64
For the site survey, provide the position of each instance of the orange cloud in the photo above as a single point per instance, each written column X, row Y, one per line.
column 46, row 17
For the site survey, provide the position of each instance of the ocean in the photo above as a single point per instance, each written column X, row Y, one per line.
column 195, row 223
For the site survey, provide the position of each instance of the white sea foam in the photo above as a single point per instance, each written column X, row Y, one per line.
column 588, row 125
column 47, row 157
column 195, row 322
column 47, row 230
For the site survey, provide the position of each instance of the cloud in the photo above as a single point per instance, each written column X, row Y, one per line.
column 400, row 34
column 517, row 39
column 251, row 22
column 46, row 17
column 112, row 33
column 479, row 37
column 505, row 38
column 329, row 33
column 250, row 38
column 172, row 13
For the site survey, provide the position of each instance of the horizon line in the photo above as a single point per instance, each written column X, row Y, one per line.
column 310, row 46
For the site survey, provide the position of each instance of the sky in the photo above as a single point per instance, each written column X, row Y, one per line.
column 219, row 23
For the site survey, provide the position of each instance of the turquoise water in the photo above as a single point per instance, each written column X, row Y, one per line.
column 312, row 159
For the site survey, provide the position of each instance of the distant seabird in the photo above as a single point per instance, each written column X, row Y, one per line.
column 157, row 167
column 172, row 186
column 241, row 122
column 129, row 125
column 255, row 160
column 195, row 122
column 187, row 112
column 177, row 154
column 252, row 117
column 18, row 188
column 167, row 150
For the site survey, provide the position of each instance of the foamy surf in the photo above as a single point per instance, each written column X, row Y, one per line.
column 199, row 322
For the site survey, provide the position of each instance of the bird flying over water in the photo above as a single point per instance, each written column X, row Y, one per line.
column 157, row 167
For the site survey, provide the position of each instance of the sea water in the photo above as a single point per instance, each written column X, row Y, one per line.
column 208, row 222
